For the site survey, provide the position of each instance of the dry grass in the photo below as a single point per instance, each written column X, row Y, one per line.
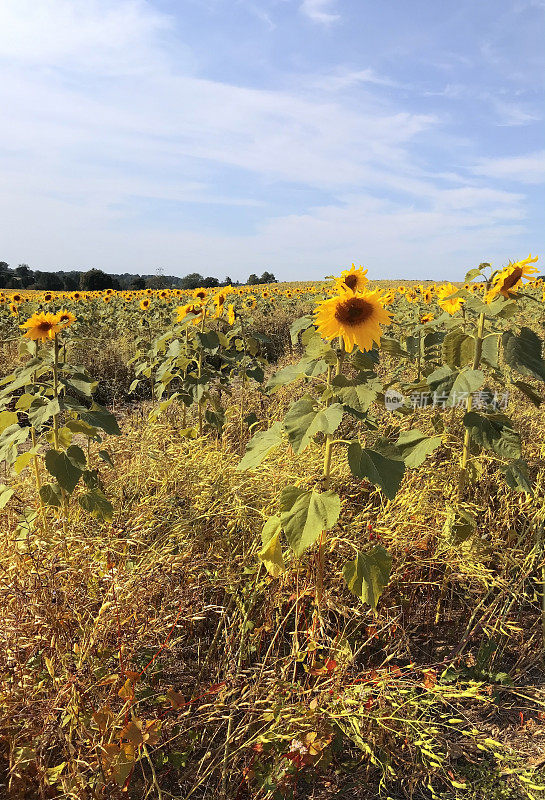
column 166, row 617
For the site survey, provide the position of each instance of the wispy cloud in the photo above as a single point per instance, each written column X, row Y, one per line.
column 519, row 169
column 320, row 11
column 342, row 79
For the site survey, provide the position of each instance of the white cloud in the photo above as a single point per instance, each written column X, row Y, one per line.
column 520, row 169
column 94, row 35
column 342, row 79
column 319, row 11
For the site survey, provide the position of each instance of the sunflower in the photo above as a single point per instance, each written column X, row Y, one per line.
column 354, row 278
column 16, row 298
column 200, row 294
column 14, row 308
column 231, row 314
column 355, row 316
column 388, row 297
column 426, row 318
column 41, row 326
column 65, row 318
column 427, row 295
column 145, row 303
column 191, row 308
column 220, row 298
column 510, row 278
column 445, row 299
column 250, row 301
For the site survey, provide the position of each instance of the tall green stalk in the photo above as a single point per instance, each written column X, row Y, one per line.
column 469, row 403
column 326, row 479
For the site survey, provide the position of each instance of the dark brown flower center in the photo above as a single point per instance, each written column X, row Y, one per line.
column 44, row 326
column 351, row 281
column 353, row 311
column 512, row 279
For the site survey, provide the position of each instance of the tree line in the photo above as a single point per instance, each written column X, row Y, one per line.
column 23, row 277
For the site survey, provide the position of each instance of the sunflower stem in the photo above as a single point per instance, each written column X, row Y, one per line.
column 35, row 457
column 326, row 481
column 469, row 403
column 199, row 372
column 56, row 350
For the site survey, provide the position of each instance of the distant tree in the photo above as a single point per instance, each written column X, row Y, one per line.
column 70, row 281
column 95, row 280
column 227, row 281
column 47, row 281
column 138, row 283
column 5, row 274
column 267, row 277
column 192, row 281
column 24, row 275
column 253, row 280
column 210, row 282
column 157, row 282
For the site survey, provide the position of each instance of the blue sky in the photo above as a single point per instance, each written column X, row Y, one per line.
column 298, row 136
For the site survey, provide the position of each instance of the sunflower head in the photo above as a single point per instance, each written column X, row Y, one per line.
column 353, row 278
column 41, row 326
column 231, row 314
column 200, row 294
column 65, row 318
column 145, row 303
column 510, row 278
column 354, row 316
column 445, row 299
column 426, row 318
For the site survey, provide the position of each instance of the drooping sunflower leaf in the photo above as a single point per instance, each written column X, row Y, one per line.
column 466, row 382
column 516, row 476
column 97, row 504
column 415, row 446
column 299, row 325
column 459, row 525
column 51, row 495
column 529, row 392
column 379, row 469
column 494, row 432
column 271, row 552
column 303, row 421
column 368, row 574
column 305, row 514
column 260, row 445
column 63, row 469
column 458, row 348
column 523, row 352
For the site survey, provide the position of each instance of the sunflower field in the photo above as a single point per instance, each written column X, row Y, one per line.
column 284, row 541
